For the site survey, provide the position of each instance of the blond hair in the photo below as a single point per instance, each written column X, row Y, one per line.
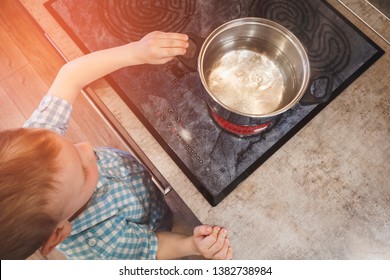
column 28, row 163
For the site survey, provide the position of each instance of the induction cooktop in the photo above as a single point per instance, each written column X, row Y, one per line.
column 169, row 99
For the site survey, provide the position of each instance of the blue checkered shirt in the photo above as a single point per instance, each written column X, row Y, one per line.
column 120, row 220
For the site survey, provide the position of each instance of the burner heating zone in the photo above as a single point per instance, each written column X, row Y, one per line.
column 240, row 130
column 132, row 19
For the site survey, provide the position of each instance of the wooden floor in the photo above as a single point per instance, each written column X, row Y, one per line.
column 28, row 65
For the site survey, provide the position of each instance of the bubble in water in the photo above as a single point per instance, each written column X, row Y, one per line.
column 247, row 81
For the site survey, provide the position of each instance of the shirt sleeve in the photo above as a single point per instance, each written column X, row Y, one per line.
column 138, row 242
column 53, row 113
column 112, row 240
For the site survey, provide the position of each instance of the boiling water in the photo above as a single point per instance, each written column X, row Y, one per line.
column 247, row 82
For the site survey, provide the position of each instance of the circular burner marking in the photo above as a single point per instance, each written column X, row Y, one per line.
column 130, row 20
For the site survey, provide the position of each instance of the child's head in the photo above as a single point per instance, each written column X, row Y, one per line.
column 44, row 181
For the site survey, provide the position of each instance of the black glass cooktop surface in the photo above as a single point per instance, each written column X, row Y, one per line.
column 169, row 99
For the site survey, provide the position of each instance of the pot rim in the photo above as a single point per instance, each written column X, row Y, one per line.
column 278, row 28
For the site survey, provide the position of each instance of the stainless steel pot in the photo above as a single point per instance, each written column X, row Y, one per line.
column 253, row 70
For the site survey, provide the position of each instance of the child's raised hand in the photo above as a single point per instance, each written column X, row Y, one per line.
column 160, row 47
column 212, row 242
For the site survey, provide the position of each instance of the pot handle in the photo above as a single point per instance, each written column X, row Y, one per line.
column 310, row 99
column 192, row 62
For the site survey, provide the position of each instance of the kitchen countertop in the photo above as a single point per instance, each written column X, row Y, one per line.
column 325, row 194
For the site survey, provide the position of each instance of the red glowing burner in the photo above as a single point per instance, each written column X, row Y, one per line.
column 240, row 130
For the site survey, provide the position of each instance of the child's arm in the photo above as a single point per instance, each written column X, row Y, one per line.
column 209, row 242
column 155, row 48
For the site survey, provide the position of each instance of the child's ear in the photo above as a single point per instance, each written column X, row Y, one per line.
column 57, row 236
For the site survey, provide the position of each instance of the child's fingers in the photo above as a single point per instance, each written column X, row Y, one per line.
column 213, row 242
column 169, row 35
column 202, row 230
column 172, row 43
column 209, row 240
column 222, row 234
column 220, row 240
column 176, row 41
column 223, row 253
column 229, row 255
column 176, row 36
column 172, row 52
column 164, row 54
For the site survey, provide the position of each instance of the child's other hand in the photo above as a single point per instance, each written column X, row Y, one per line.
column 212, row 242
column 160, row 47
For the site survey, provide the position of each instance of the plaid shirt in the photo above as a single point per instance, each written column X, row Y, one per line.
column 125, row 209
